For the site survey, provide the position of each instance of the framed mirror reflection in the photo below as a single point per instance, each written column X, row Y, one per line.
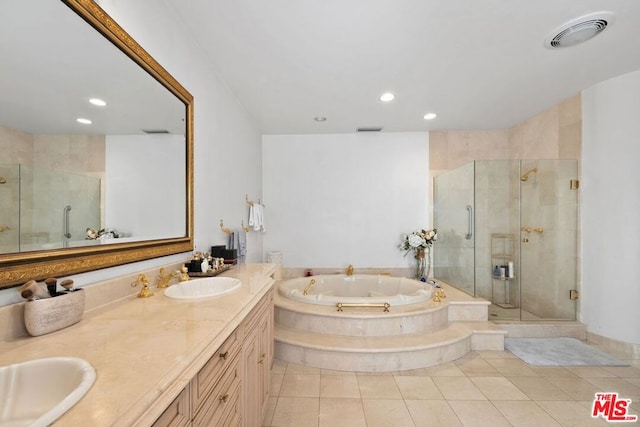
column 96, row 142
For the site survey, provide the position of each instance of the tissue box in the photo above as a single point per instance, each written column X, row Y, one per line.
column 47, row 315
column 230, row 255
column 218, row 251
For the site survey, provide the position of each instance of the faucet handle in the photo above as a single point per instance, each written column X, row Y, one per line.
column 145, row 292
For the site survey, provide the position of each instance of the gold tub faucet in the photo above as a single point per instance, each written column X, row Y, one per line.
column 350, row 270
column 308, row 287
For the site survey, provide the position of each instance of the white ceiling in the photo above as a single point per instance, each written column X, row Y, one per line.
column 477, row 64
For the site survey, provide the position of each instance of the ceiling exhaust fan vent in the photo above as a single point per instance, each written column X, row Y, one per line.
column 579, row 30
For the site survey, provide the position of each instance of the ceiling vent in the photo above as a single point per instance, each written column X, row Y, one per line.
column 579, row 30
column 370, row 129
column 155, row 131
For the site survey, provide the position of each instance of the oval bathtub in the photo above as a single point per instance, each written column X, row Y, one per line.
column 358, row 288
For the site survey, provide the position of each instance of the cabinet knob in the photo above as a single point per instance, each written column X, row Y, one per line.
column 261, row 359
column 224, row 398
column 224, row 355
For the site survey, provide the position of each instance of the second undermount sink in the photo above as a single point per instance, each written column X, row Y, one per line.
column 38, row 392
column 203, row 288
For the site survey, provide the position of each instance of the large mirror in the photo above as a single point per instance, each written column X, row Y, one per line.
column 96, row 140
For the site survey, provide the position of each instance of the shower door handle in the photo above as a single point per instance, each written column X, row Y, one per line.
column 65, row 219
column 469, row 234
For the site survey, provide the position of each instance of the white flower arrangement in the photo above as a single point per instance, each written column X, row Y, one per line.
column 419, row 240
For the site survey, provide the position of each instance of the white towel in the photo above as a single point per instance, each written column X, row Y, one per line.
column 252, row 215
column 258, row 211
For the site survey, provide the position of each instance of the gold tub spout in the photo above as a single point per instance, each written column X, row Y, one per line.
column 350, row 270
column 308, row 287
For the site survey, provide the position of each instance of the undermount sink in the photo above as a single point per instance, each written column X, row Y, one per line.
column 37, row 392
column 203, row 288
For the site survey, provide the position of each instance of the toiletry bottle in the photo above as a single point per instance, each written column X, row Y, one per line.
column 496, row 272
column 511, row 273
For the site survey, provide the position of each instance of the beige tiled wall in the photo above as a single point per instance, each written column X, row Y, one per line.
column 553, row 134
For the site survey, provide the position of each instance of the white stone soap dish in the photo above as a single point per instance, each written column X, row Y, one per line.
column 47, row 315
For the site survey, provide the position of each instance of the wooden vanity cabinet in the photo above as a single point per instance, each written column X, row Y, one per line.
column 257, row 354
column 232, row 388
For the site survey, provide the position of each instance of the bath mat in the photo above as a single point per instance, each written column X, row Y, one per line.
column 558, row 352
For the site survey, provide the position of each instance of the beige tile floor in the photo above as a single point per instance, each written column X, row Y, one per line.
column 484, row 388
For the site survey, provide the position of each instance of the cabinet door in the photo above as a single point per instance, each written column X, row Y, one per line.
column 178, row 414
column 251, row 352
column 264, row 364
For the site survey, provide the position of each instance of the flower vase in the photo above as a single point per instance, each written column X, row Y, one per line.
column 423, row 264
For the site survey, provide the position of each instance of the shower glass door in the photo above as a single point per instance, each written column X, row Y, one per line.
column 516, row 215
column 454, row 259
column 548, row 239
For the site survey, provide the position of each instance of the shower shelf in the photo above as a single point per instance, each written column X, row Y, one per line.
column 502, row 253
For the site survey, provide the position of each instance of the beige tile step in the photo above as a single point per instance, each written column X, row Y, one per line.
column 383, row 354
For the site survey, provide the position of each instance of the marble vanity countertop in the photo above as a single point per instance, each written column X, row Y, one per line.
column 144, row 350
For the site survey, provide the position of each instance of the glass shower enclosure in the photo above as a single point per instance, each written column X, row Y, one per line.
column 46, row 209
column 507, row 232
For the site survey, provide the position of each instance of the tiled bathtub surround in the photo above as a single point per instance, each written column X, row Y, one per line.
column 366, row 339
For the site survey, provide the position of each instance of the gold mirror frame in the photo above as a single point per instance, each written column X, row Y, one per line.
column 17, row 268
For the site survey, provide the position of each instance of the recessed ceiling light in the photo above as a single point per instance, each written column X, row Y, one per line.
column 430, row 116
column 320, row 119
column 83, row 121
column 387, row 97
column 97, row 101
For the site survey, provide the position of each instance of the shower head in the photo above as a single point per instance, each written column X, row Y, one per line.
column 525, row 176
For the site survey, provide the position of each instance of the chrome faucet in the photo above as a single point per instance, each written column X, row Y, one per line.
column 350, row 270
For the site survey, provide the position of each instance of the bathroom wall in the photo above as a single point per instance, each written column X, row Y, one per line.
column 611, row 202
column 335, row 200
column 157, row 186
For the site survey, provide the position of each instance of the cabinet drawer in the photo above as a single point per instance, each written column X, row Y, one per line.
column 223, row 401
column 210, row 373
